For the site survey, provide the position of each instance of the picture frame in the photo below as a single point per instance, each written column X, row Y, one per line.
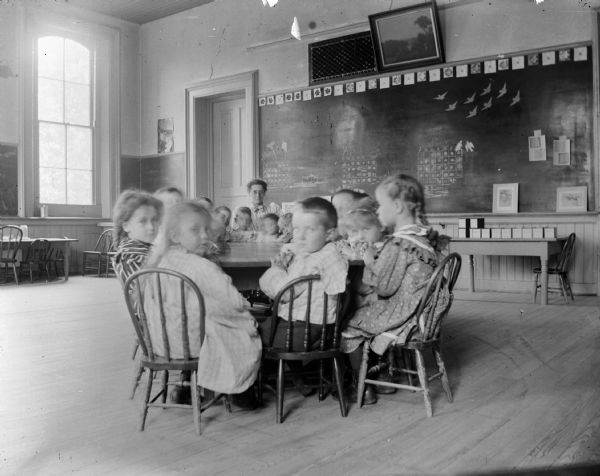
column 407, row 37
column 506, row 198
column 571, row 199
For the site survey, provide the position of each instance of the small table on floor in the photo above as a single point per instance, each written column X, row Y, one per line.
column 66, row 244
column 540, row 247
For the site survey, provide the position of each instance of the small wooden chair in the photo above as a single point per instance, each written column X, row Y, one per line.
column 154, row 280
column 10, row 244
column 561, row 271
column 100, row 257
column 56, row 257
column 427, row 336
column 327, row 347
column 36, row 255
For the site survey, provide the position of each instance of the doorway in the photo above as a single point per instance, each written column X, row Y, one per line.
column 222, row 138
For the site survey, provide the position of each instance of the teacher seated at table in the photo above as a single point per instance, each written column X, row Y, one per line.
column 257, row 189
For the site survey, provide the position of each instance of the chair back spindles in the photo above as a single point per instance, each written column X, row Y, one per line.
column 564, row 259
column 440, row 286
column 140, row 283
column 10, row 241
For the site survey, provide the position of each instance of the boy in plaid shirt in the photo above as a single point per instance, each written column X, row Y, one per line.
column 314, row 225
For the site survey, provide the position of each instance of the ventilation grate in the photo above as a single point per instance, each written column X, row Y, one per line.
column 342, row 57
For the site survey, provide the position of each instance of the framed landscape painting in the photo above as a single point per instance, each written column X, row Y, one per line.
column 406, row 37
column 571, row 199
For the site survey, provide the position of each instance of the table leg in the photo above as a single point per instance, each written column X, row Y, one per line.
column 66, row 263
column 471, row 274
column 544, row 278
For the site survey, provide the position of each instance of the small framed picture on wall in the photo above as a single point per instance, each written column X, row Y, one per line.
column 506, row 198
column 571, row 199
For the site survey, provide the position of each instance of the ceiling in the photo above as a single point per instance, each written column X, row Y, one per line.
column 136, row 11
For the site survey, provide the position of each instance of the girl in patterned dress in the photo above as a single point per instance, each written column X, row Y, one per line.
column 136, row 218
column 229, row 357
column 397, row 274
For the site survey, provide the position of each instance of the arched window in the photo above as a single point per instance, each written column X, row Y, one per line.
column 65, row 122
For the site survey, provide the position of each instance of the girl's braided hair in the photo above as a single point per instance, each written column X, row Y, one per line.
column 410, row 191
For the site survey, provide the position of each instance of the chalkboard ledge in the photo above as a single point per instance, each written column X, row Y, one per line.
column 511, row 215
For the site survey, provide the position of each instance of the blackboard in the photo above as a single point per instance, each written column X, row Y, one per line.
column 432, row 130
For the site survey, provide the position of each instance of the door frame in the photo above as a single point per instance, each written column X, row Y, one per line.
column 198, row 128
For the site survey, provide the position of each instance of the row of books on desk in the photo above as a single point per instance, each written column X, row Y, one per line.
column 507, row 233
column 475, row 228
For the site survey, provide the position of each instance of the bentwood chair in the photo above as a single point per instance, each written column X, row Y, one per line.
column 433, row 308
column 325, row 349
column 10, row 244
column 36, row 255
column 561, row 271
column 150, row 287
column 100, row 257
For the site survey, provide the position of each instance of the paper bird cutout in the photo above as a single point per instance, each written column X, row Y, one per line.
column 502, row 92
column 487, row 90
column 459, row 146
column 469, row 147
column 451, row 107
column 271, row 3
column 516, row 99
column 441, row 97
column 296, row 29
column 470, row 99
column 487, row 104
column 472, row 112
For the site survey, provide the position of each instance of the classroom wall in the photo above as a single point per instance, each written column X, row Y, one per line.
column 9, row 69
column 226, row 37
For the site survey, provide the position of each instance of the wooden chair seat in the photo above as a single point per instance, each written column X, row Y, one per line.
column 433, row 308
column 560, row 270
column 325, row 349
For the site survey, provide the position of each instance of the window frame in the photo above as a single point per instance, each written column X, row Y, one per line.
column 64, row 209
column 38, row 22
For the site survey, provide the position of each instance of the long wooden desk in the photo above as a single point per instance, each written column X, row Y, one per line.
column 540, row 247
column 66, row 244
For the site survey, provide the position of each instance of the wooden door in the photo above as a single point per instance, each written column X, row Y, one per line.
column 231, row 163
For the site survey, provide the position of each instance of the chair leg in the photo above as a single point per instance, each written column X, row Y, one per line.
column 99, row 264
column 280, row 382
column 424, row 382
column 408, row 365
column 139, row 370
column 165, row 385
column 442, row 369
column 135, row 348
column 339, row 382
column 362, row 374
column 563, row 289
column 146, row 399
column 196, row 403
column 321, row 386
column 259, row 390
column 535, row 286
column 15, row 273
column 568, row 285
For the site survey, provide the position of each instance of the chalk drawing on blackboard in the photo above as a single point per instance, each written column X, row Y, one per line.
column 472, row 112
column 487, row 89
column 438, row 168
column 516, row 98
column 487, row 104
column 501, row 91
column 470, row 99
column 441, row 97
column 451, row 107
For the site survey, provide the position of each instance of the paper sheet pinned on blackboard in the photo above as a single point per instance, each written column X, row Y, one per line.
column 296, row 29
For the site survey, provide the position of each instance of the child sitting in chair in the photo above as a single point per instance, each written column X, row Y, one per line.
column 314, row 223
column 231, row 352
column 244, row 230
column 285, row 228
column 136, row 218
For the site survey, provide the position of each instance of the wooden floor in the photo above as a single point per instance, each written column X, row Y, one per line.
column 526, row 382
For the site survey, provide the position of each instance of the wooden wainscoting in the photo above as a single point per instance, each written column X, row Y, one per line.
column 513, row 273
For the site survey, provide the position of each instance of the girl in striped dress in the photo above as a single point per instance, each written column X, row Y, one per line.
column 136, row 218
